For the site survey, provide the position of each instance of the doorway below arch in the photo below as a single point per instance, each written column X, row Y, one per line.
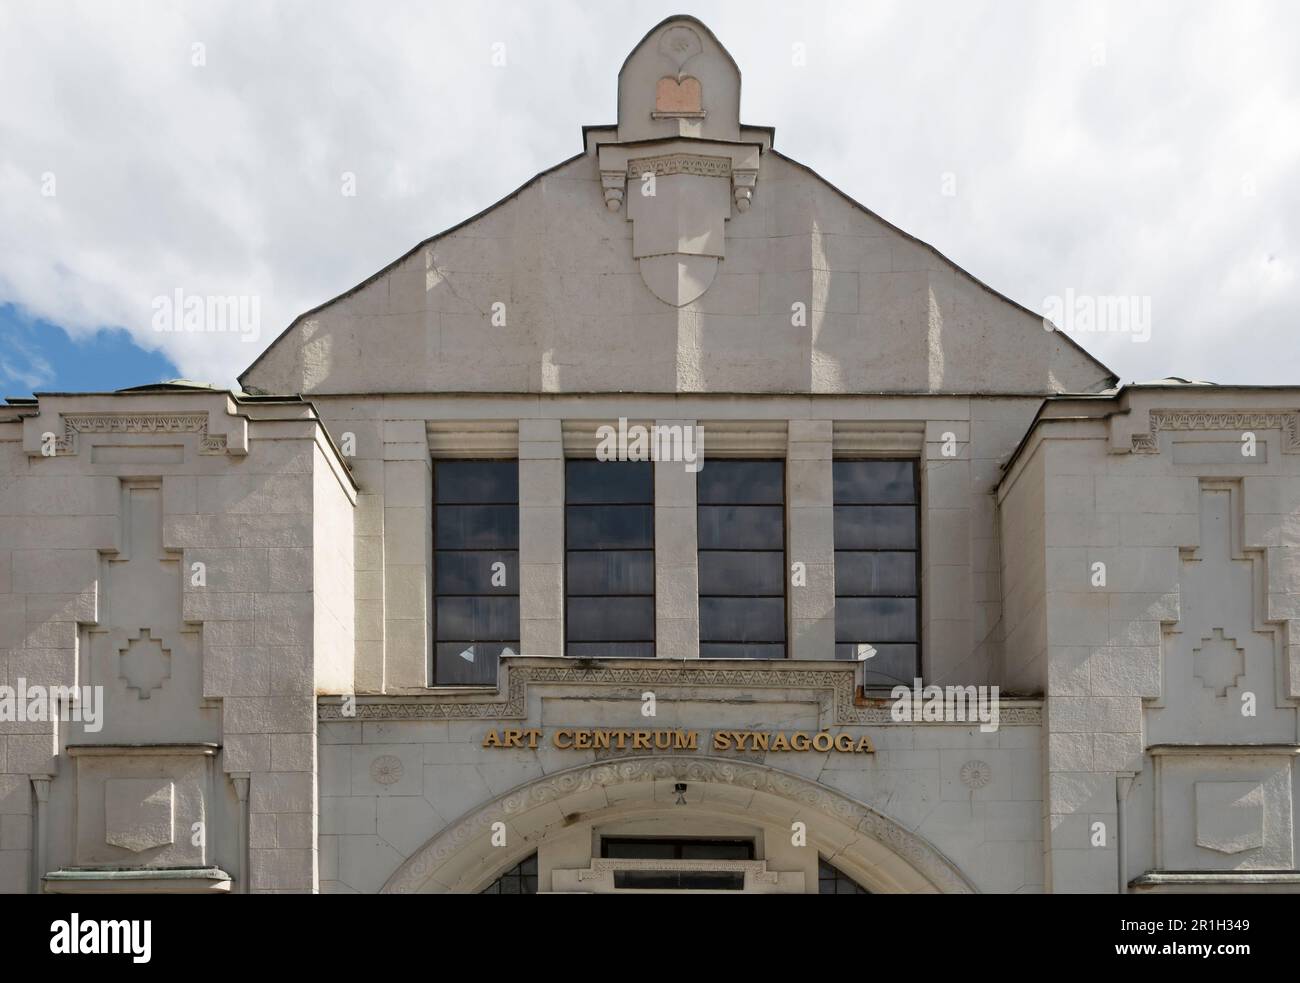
column 669, row 824
column 522, row 878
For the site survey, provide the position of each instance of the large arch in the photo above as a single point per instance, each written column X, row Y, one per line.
column 869, row 846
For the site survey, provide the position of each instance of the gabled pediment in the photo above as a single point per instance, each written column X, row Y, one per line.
column 678, row 253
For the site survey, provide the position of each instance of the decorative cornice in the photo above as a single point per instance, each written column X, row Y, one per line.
column 745, row 437
column 664, row 165
column 1284, row 420
column 426, row 862
column 139, row 423
column 473, row 438
column 878, row 437
column 680, row 238
column 619, row 163
column 582, row 436
column 838, row 682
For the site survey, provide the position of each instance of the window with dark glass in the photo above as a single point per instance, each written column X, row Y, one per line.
column 832, row 880
column 741, row 557
column 698, row 850
column 519, row 879
column 609, row 559
column 475, row 569
column 877, row 568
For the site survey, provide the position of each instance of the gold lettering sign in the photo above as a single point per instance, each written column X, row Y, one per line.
column 607, row 739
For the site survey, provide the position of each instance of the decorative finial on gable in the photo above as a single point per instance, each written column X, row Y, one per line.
column 679, row 96
column 678, row 161
column 679, row 82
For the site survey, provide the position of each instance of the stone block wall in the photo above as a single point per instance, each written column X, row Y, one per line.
column 1166, row 552
column 191, row 555
column 408, row 795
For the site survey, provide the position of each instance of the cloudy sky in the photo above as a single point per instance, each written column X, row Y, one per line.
column 1131, row 149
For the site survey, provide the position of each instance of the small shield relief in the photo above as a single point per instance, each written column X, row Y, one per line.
column 139, row 813
column 678, row 232
column 1229, row 816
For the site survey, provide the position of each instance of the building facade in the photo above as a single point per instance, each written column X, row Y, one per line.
column 675, row 524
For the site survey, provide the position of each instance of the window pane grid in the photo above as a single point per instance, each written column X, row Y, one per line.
column 877, row 567
column 519, row 879
column 832, row 880
column 740, row 520
column 609, row 559
column 469, row 573
column 475, row 569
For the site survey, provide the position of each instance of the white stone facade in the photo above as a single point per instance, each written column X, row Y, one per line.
column 249, row 575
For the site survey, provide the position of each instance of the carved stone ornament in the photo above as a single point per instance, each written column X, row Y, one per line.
column 386, row 769
column 680, row 44
column 678, row 98
column 144, row 658
column 976, row 774
column 667, row 164
column 679, row 198
column 1219, row 662
column 837, row 683
column 139, row 423
column 1284, row 420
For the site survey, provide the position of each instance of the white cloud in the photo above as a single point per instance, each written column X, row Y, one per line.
column 23, row 365
column 1116, row 148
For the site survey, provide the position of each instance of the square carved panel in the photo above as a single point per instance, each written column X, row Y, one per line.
column 1224, row 808
column 143, row 806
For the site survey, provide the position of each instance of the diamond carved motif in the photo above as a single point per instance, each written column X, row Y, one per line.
column 1218, row 662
